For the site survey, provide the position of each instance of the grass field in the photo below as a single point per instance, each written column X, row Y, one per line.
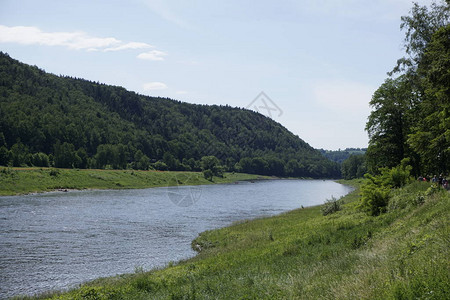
column 14, row 181
column 402, row 254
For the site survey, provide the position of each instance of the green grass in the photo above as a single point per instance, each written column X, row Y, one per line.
column 402, row 254
column 14, row 181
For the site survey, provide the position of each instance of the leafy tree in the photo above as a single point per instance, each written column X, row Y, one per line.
column 420, row 26
column 160, row 166
column 411, row 112
column 212, row 164
column 354, row 167
column 65, row 156
column 430, row 136
column 20, row 155
column 142, row 161
column 40, row 160
column 389, row 123
column 171, row 162
column 82, row 161
column 4, row 156
column 2, row 140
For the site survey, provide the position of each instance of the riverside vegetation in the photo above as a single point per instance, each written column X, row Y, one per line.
column 14, row 181
column 347, row 254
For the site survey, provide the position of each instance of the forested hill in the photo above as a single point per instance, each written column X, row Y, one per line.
column 68, row 122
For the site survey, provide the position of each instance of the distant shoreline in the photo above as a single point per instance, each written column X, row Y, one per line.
column 25, row 181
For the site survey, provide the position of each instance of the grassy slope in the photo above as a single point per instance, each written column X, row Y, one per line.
column 402, row 254
column 28, row 180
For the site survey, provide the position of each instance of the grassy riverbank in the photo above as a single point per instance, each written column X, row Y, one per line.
column 14, row 181
column 402, row 254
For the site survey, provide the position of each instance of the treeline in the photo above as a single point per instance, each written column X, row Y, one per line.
column 411, row 109
column 340, row 156
column 409, row 127
column 410, row 120
column 48, row 120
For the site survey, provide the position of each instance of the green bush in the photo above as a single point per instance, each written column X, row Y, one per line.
column 208, row 174
column 54, row 172
column 376, row 190
column 397, row 176
column 331, row 206
column 374, row 198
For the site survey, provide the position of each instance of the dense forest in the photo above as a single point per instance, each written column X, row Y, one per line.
column 340, row 156
column 410, row 121
column 49, row 120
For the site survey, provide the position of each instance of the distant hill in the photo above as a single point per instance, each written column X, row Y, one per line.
column 68, row 122
column 340, row 155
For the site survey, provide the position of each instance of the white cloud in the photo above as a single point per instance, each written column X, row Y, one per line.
column 181, row 92
column 152, row 55
column 343, row 96
column 74, row 40
column 132, row 45
column 151, row 86
column 27, row 35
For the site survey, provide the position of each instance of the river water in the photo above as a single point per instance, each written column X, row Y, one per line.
column 58, row 240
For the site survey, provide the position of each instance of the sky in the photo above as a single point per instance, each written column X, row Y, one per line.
column 311, row 65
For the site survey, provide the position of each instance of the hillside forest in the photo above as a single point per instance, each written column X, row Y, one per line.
column 48, row 120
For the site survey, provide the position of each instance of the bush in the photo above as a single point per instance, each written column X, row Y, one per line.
column 208, row 174
column 40, row 160
column 376, row 190
column 331, row 206
column 54, row 172
column 374, row 198
column 160, row 166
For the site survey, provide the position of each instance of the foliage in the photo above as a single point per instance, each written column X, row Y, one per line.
column 389, row 123
column 376, row 190
column 374, row 196
column 211, row 166
column 420, row 26
column 208, row 174
column 430, row 136
column 331, row 206
column 83, row 124
column 411, row 113
column 340, row 156
column 354, row 166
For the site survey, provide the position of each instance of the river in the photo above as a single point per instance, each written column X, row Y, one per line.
column 58, row 240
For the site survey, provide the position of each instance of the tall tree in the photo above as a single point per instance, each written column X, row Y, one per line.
column 419, row 28
column 389, row 122
column 411, row 112
column 431, row 135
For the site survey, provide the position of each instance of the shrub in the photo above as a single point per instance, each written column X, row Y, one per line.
column 331, row 206
column 374, row 198
column 208, row 174
column 376, row 190
column 54, row 172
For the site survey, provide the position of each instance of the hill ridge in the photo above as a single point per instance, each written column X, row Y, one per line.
column 81, row 123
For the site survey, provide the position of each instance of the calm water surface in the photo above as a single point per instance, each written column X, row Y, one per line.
column 58, row 240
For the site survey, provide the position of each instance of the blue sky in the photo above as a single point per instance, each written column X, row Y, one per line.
column 319, row 61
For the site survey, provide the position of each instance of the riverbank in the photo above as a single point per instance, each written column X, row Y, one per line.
column 305, row 255
column 17, row 181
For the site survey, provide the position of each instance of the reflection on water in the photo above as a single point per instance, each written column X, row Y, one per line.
column 58, row 240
